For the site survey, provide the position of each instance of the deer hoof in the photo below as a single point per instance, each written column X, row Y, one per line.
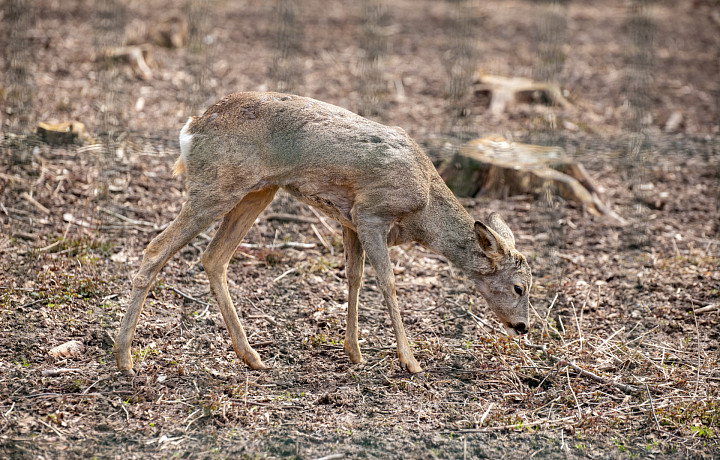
column 410, row 365
column 124, row 363
column 253, row 361
column 353, row 353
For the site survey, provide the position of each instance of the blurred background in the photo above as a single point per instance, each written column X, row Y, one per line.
column 626, row 66
column 633, row 83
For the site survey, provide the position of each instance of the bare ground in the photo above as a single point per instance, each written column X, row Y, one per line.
column 628, row 315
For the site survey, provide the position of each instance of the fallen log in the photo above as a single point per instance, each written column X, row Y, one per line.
column 504, row 92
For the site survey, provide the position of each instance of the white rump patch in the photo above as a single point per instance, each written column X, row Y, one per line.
column 185, row 140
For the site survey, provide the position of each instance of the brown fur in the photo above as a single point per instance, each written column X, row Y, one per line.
column 373, row 179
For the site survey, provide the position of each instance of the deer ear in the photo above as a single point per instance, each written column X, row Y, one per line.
column 498, row 224
column 491, row 243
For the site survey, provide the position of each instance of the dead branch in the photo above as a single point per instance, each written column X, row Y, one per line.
column 189, row 297
column 59, row 371
column 132, row 221
column 26, row 196
column 628, row 389
column 707, row 308
column 267, row 318
column 283, row 245
column 282, row 217
column 652, row 407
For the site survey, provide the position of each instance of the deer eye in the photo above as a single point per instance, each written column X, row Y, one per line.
column 518, row 289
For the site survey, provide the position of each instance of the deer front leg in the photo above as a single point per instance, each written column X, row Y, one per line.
column 216, row 258
column 374, row 241
column 354, row 267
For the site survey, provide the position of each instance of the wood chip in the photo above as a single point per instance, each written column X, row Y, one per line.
column 71, row 349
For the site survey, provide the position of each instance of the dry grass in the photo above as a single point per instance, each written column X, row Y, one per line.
column 593, row 373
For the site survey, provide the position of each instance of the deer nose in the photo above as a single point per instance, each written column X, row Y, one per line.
column 520, row 328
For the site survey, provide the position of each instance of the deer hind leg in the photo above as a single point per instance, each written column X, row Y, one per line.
column 216, row 258
column 192, row 219
column 354, row 266
column 374, row 240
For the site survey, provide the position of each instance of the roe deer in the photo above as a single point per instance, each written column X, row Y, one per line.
column 373, row 179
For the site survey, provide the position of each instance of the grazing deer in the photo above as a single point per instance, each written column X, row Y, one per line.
column 374, row 180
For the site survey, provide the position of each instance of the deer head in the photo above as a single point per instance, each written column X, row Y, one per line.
column 506, row 286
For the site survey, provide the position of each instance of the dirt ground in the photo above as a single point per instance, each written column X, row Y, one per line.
column 622, row 359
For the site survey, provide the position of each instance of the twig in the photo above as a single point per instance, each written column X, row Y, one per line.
column 582, row 314
column 377, row 364
column 11, row 178
column 135, row 56
column 428, row 328
column 193, row 421
column 577, row 403
column 52, row 428
column 547, row 315
column 629, row 389
column 331, row 457
column 10, row 410
column 30, row 304
column 485, row 414
column 34, row 202
column 133, row 221
column 480, row 322
column 707, row 308
column 510, row 427
column 267, row 318
column 322, row 240
column 284, row 274
column 207, row 306
column 59, row 371
column 188, row 297
column 49, row 247
column 697, row 330
column 652, row 407
column 69, row 218
column 286, row 244
column 602, row 345
column 189, row 416
column 282, row 217
column 323, row 221
column 96, row 382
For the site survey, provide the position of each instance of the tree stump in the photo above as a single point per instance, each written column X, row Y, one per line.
column 68, row 132
column 137, row 56
column 503, row 92
column 172, row 32
column 498, row 168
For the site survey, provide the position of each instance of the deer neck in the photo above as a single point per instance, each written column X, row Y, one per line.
column 445, row 227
